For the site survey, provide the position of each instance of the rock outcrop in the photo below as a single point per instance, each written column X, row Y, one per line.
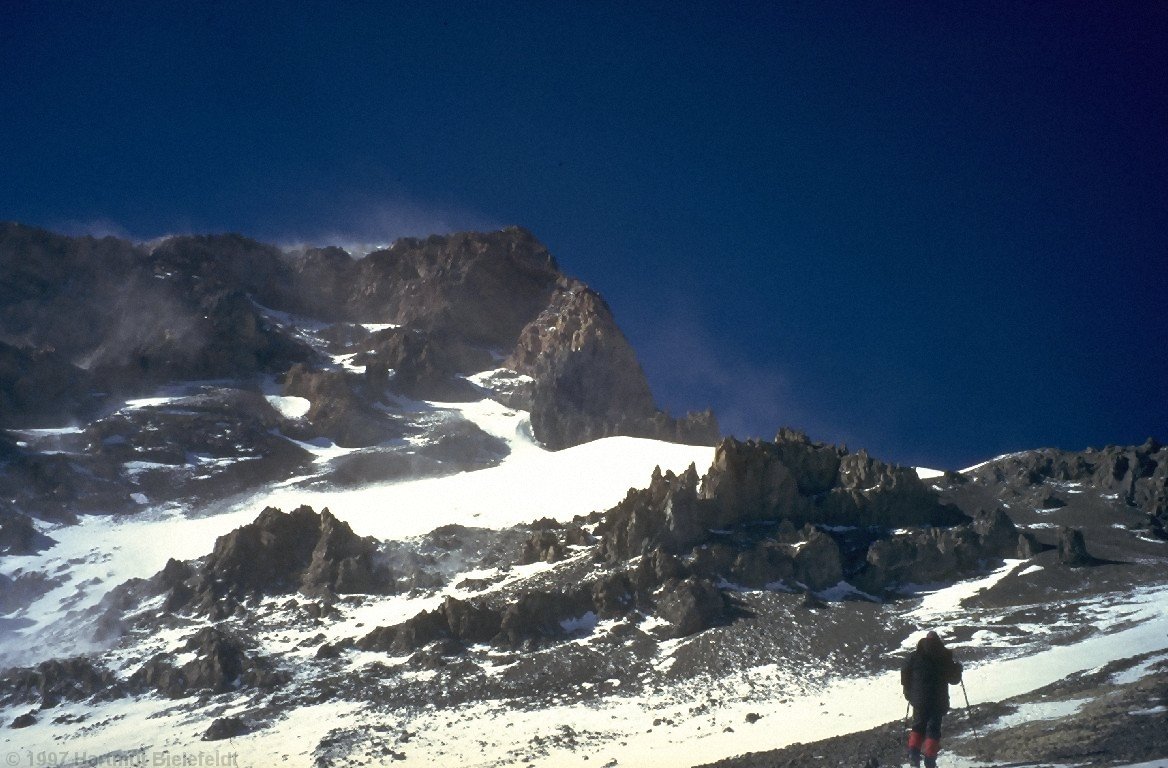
column 1072, row 548
column 588, row 383
column 1137, row 474
column 315, row 554
column 221, row 664
column 690, row 605
column 41, row 388
column 53, row 682
column 751, row 482
column 337, row 409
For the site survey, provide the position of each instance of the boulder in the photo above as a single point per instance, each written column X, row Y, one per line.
column 24, row 721
column 1027, row 546
column 767, row 562
column 1072, row 549
column 817, row 562
column 614, row 596
column 690, row 605
column 542, row 546
column 225, row 728
column 656, row 568
column 535, row 616
column 997, row 534
column 470, row 623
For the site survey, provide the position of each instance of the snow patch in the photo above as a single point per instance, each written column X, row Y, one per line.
column 290, row 407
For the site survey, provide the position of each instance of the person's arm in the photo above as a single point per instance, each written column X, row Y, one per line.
column 954, row 671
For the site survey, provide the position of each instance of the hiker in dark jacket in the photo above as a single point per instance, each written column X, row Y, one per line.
column 926, row 676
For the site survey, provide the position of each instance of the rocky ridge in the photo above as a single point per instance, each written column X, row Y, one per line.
column 781, row 551
column 200, row 330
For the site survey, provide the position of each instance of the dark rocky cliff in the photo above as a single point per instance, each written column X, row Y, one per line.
column 81, row 317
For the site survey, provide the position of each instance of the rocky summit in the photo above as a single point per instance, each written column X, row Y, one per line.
column 148, row 365
column 420, row 507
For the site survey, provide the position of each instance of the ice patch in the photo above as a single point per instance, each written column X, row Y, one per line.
column 1042, row 710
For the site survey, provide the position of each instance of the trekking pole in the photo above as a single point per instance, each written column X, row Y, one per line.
column 976, row 735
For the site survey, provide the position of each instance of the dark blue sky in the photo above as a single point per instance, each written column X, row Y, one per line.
column 940, row 233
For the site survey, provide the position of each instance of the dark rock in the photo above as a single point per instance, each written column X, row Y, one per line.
column 24, row 721
column 470, row 623
column 173, row 573
column 18, row 535
column 753, row 483
column 316, row 554
column 1072, row 549
column 337, row 410
column 614, row 596
column 811, row 601
column 750, row 481
column 542, row 546
column 1050, row 501
column 225, row 728
column 1028, row 546
column 767, row 562
column 656, row 568
column 456, row 620
column 1139, row 474
column 462, row 445
column 221, row 664
column 588, row 383
column 928, row 556
column 161, row 675
column 996, row 532
column 57, row 680
column 691, row 605
column 42, row 388
column 668, row 514
column 539, row 615
column 481, row 287
column 818, row 564
column 425, row 364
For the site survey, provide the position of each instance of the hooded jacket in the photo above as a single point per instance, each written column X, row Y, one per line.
column 927, row 674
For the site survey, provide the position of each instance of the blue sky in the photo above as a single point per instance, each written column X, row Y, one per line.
column 939, row 232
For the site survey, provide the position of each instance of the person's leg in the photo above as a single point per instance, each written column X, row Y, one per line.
column 916, row 736
column 932, row 745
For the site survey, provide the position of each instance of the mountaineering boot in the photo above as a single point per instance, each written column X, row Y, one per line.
column 931, row 749
column 914, row 749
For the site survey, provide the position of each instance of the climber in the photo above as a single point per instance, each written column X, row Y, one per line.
column 926, row 676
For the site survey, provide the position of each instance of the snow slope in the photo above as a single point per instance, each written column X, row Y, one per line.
column 99, row 553
column 648, row 720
